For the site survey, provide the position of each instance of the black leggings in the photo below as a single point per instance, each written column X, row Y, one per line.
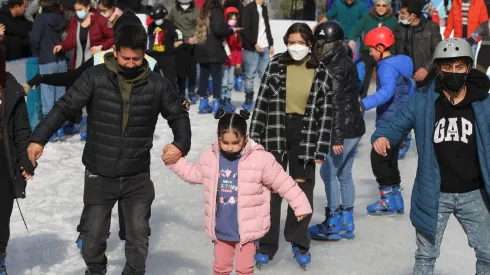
column 370, row 64
column 207, row 69
column 6, row 201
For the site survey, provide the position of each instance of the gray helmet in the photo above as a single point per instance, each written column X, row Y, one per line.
column 451, row 48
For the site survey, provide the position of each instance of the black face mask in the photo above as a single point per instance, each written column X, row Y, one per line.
column 231, row 155
column 452, row 82
column 130, row 73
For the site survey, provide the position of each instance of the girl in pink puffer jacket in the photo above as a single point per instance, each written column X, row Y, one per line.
column 238, row 176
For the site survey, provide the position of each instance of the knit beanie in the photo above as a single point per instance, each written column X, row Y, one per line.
column 387, row 1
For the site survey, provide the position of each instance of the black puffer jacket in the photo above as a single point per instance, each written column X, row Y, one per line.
column 212, row 51
column 16, row 133
column 424, row 39
column 345, row 84
column 110, row 151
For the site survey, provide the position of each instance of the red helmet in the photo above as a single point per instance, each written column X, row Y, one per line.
column 379, row 36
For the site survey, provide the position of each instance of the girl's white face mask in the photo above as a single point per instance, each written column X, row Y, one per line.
column 298, row 52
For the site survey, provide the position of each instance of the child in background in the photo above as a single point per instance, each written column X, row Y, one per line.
column 234, row 60
column 164, row 37
column 237, row 205
column 394, row 89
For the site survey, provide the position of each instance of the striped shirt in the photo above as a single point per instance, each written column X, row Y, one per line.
column 465, row 7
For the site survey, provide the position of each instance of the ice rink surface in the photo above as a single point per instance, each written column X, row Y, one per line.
column 179, row 245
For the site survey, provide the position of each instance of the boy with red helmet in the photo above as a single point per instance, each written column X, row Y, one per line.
column 394, row 88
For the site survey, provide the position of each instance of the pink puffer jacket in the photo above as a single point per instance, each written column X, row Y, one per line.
column 258, row 173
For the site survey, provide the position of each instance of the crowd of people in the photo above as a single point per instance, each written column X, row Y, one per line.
column 308, row 111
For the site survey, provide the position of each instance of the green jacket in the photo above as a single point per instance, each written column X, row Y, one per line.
column 185, row 21
column 125, row 85
column 369, row 22
column 347, row 16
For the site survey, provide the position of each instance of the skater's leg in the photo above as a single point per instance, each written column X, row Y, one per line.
column 167, row 67
column 205, row 72
column 428, row 247
column 217, row 77
column 231, row 81
column 191, row 69
column 6, row 201
column 473, row 214
column 393, row 166
column 347, row 187
column 250, row 65
column 264, row 59
column 224, row 252
column 384, row 167
column 224, row 81
column 328, row 173
column 47, row 91
column 370, row 64
column 244, row 263
column 122, row 224
column 138, row 195
column 181, row 54
column 61, row 67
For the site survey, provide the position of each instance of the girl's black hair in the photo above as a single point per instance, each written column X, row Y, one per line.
column 305, row 31
column 84, row 3
column 107, row 3
column 51, row 6
column 232, row 122
column 208, row 6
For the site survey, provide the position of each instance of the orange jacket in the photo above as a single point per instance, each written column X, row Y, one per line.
column 476, row 15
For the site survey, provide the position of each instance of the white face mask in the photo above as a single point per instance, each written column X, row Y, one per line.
column 405, row 22
column 298, row 52
column 185, row 6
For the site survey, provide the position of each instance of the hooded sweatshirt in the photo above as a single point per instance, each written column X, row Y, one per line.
column 45, row 35
column 394, row 87
column 455, row 137
column 125, row 85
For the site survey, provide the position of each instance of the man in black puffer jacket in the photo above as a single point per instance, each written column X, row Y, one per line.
column 123, row 99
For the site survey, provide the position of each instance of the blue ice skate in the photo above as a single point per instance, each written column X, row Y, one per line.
column 216, row 106
column 302, row 257
column 261, row 260
column 239, row 83
column 193, row 98
column 329, row 229
column 347, row 223
column 249, row 101
column 397, row 196
column 227, row 106
column 385, row 206
column 79, row 241
column 70, row 128
column 405, row 146
column 87, row 272
column 3, row 268
column 204, row 107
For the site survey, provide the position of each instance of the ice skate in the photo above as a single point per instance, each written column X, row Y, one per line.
column 329, row 229
column 385, row 206
column 302, row 257
column 347, row 223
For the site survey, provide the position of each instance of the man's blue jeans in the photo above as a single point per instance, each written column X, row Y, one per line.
column 472, row 212
column 51, row 94
column 336, row 173
column 254, row 62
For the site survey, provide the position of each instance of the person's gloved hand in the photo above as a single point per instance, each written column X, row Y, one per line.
column 35, row 81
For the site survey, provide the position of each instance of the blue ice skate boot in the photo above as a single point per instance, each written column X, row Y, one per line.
column 193, row 98
column 70, row 128
column 405, row 146
column 329, row 229
column 79, row 241
column 227, row 106
column 83, row 136
column 385, row 206
column 397, row 196
column 302, row 257
column 347, row 222
column 103, row 272
column 59, row 134
column 204, row 107
column 3, row 268
column 216, row 105
column 249, row 101
column 261, row 260
column 239, row 83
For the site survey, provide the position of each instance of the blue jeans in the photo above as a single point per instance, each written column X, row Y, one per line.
column 228, row 73
column 338, row 169
column 254, row 62
column 51, row 94
column 472, row 212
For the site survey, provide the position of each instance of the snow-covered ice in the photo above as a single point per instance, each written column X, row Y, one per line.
column 179, row 245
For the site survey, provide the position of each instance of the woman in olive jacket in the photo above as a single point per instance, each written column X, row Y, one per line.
column 15, row 167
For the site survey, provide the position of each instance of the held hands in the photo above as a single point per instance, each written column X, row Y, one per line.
column 192, row 40
column 171, row 154
column 26, row 175
column 381, row 146
column 57, row 49
column 95, row 49
column 178, row 43
column 34, row 152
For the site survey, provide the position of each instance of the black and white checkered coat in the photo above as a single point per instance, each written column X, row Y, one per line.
column 269, row 116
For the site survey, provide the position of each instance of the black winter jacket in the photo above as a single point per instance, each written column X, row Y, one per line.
column 109, row 151
column 16, row 133
column 345, row 84
column 425, row 37
column 16, row 34
column 250, row 24
column 213, row 51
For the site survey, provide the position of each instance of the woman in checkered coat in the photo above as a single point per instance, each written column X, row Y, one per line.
column 292, row 120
